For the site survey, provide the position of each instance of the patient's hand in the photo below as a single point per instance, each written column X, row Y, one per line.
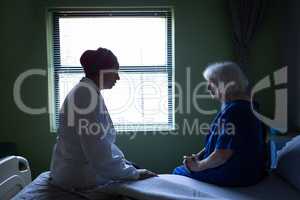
column 192, row 163
column 144, row 174
column 193, row 157
column 198, row 156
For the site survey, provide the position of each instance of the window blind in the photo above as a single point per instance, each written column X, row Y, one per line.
column 141, row 70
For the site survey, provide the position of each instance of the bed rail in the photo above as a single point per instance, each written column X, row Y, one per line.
column 15, row 174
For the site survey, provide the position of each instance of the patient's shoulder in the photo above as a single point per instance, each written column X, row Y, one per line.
column 238, row 110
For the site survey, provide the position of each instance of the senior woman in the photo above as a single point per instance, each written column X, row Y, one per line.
column 234, row 152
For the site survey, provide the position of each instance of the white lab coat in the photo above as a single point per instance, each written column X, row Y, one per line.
column 81, row 158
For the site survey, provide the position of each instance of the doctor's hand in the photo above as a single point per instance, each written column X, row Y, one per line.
column 144, row 174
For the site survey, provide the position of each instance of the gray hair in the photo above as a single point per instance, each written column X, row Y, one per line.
column 227, row 73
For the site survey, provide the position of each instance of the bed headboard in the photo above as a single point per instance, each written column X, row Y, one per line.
column 14, row 176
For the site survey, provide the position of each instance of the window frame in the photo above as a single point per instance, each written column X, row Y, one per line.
column 54, row 66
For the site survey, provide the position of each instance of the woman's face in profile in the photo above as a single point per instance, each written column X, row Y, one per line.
column 110, row 79
column 212, row 89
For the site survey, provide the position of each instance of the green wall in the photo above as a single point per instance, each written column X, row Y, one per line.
column 202, row 35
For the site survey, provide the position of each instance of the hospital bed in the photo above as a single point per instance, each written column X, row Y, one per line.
column 164, row 187
column 14, row 176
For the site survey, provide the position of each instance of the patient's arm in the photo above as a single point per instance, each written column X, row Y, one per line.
column 216, row 159
column 200, row 154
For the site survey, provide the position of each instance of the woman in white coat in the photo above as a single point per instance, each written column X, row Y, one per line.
column 85, row 154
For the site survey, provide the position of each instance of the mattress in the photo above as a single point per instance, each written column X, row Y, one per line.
column 272, row 187
column 158, row 188
column 42, row 189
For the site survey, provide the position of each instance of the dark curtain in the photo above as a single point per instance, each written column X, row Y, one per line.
column 246, row 17
column 289, row 16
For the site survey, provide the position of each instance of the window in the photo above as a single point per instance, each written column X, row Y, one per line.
column 142, row 41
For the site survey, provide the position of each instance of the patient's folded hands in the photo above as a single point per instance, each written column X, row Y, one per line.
column 193, row 157
column 191, row 162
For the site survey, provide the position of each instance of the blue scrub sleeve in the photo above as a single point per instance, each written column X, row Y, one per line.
column 228, row 135
column 225, row 142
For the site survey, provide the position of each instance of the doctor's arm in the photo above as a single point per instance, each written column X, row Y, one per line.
column 98, row 152
column 96, row 148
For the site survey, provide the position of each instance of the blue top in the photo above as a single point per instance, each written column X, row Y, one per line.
column 235, row 127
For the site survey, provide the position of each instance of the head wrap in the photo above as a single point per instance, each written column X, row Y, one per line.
column 93, row 61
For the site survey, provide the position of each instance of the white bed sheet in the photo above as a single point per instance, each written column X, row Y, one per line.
column 271, row 187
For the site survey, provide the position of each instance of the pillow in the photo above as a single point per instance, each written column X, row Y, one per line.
column 288, row 166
